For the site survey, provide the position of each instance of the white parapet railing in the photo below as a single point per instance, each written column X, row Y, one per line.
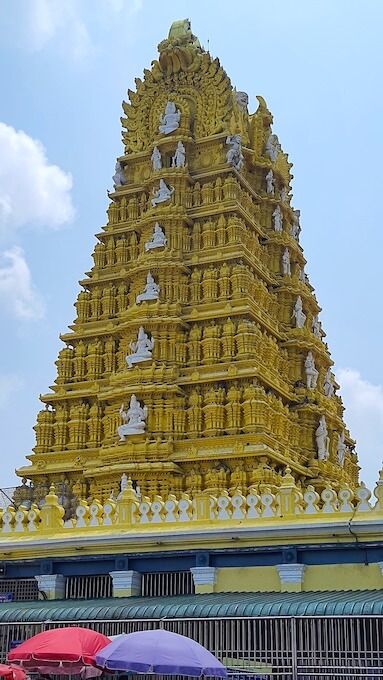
column 288, row 506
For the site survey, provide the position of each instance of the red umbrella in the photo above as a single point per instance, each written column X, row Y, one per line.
column 62, row 650
column 12, row 672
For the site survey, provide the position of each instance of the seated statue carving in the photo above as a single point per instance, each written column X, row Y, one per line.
column 134, row 418
column 162, row 194
column 170, row 121
column 159, row 239
column 151, row 290
column 142, row 349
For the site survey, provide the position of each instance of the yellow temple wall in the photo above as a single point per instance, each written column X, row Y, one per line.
column 333, row 577
column 248, row 579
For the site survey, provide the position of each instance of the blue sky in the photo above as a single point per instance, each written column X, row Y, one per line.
column 65, row 67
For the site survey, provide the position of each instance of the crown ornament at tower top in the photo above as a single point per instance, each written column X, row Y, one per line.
column 178, row 52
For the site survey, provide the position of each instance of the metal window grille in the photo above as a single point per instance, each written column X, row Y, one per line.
column 278, row 648
column 88, row 587
column 159, row 584
column 20, row 588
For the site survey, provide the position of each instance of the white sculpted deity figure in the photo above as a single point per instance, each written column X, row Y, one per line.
column 170, row 121
column 119, row 178
column 142, row 349
column 295, row 228
column 159, row 239
column 156, row 159
column 234, row 156
column 179, row 158
column 270, row 182
column 286, row 265
column 134, row 418
column 311, row 372
column 328, row 385
column 151, row 290
column 162, row 194
column 278, row 219
column 316, row 327
column 242, row 100
column 298, row 313
column 284, row 194
column 322, row 439
column 341, row 449
column 272, row 147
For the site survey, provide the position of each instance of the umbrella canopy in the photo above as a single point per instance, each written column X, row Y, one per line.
column 161, row 652
column 62, row 649
column 12, row 672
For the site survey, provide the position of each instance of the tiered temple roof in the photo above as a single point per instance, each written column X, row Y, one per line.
column 197, row 365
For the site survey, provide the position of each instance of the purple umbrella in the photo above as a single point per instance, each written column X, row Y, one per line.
column 161, row 652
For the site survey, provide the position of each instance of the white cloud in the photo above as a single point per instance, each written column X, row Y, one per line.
column 18, row 295
column 62, row 24
column 8, row 385
column 45, row 198
column 45, row 20
column 364, row 418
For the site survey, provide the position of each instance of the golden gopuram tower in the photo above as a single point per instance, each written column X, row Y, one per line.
column 197, row 363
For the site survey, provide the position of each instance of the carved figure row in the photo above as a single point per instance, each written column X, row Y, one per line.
column 169, row 122
column 286, row 267
column 271, row 187
column 228, row 189
column 228, row 282
column 300, row 319
column 178, row 160
column 234, row 155
column 69, row 427
column 278, row 223
column 323, row 443
column 234, row 340
column 231, row 281
column 210, row 234
column 90, row 360
column 214, row 411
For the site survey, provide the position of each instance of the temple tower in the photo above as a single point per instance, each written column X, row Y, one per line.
column 197, row 362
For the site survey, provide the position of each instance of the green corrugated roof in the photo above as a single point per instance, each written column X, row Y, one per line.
column 328, row 603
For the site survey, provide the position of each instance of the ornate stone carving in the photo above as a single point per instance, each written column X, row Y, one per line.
column 322, row 439
column 142, row 349
column 278, row 219
column 341, row 449
column 286, row 265
column 328, row 386
column 179, row 158
column 270, row 182
column 159, row 239
column 170, row 121
column 234, row 156
column 134, row 419
column 311, row 372
column 162, row 194
column 272, row 147
column 119, row 178
column 298, row 313
column 156, row 159
column 151, row 290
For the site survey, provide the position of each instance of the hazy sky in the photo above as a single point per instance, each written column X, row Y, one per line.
column 65, row 66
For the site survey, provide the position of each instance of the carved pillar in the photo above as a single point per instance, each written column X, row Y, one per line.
column 126, row 583
column 52, row 585
column 205, row 579
column 291, row 577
